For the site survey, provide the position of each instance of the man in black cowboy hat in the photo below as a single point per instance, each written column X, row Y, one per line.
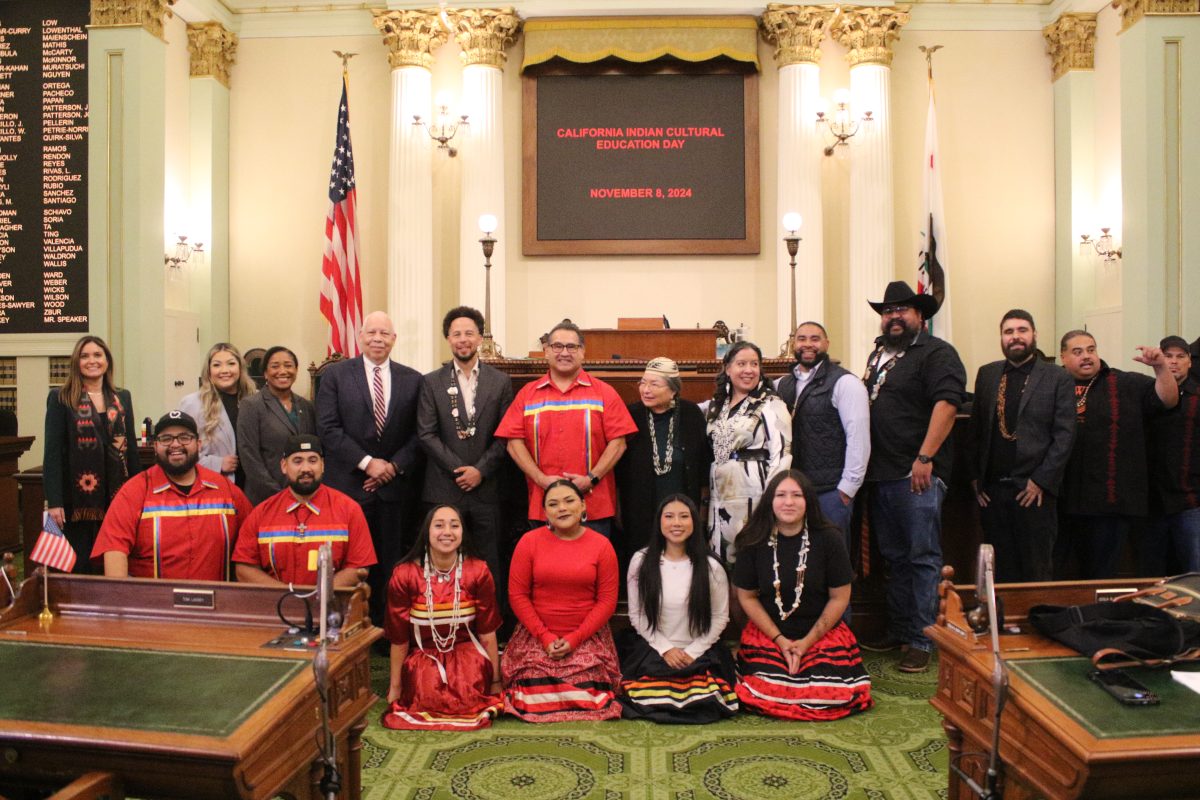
column 915, row 385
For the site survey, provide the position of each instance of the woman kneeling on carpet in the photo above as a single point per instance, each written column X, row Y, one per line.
column 797, row 659
column 441, row 621
column 674, row 666
column 560, row 663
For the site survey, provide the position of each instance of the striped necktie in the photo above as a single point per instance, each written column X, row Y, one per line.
column 380, row 408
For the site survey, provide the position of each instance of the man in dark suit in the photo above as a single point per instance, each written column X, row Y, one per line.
column 461, row 404
column 1022, row 429
column 367, row 421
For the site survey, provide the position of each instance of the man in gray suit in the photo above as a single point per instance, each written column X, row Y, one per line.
column 1022, row 429
column 460, row 406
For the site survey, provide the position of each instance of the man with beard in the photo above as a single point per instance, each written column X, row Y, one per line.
column 831, row 423
column 1174, row 544
column 460, row 406
column 568, row 425
column 1021, row 431
column 279, row 541
column 915, row 384
column 1106, row 486
column 177, row 519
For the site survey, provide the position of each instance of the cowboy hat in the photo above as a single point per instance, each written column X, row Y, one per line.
column 899, row 293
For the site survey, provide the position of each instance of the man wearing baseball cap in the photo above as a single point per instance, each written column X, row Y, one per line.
column 279, row 541
column 177, row 519
column 1173, row 540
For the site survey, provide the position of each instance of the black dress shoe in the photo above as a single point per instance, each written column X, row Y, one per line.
column 914, row 661
column 883, row 645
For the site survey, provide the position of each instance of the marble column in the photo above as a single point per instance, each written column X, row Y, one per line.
column 1071, row 45
column 796, row 32
column 483, row 35
column 868, row 33
column 126, row 85
column 211, row 50
column 1160, row 169
column 411, row 37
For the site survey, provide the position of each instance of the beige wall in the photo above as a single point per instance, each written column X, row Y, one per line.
column 995, row 122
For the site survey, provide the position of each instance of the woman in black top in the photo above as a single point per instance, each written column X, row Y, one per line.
column 797, row 660
column 91, row 446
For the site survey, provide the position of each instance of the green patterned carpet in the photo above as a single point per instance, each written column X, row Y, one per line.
column 895, row 751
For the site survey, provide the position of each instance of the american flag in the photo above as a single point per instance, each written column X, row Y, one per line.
column 52, row 547
column 341, row 290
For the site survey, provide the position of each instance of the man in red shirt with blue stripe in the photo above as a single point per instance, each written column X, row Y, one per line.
column 278, row 542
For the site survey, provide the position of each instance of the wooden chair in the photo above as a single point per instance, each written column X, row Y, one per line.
column 315, row 371
column 255, row 367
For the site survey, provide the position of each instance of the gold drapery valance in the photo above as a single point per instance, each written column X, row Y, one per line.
column 639, row 39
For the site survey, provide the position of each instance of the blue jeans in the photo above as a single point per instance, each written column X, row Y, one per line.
column 838, row 513
column 908, row 528
column 1178, row 535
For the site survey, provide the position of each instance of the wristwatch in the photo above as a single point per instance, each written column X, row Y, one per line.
column 595, row 478
column 924, row 459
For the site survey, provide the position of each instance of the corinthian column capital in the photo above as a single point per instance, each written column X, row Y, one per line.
column 411, row 36
column 483, row 34
column 146, row 14
column 796, row 31
column 1071, row 43
column 1133, row 10
column 867, row 32
column 211, row 51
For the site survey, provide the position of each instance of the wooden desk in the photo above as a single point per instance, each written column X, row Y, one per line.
column 222, row 746
column 680, row 344
column 1045, row 752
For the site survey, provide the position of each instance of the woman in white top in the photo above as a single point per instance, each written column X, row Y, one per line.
column 673, row 665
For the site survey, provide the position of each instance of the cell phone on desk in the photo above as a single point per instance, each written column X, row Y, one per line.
column 1118, row 683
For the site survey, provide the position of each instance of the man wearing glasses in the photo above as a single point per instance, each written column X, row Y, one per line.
column 915, row 385
column 568, row 425
column 176, row 520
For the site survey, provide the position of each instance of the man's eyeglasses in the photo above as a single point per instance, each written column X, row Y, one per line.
column 559, row 347
column 182, row 438
column 894, row 310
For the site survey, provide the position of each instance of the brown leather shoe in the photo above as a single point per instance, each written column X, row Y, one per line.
column 914, row 660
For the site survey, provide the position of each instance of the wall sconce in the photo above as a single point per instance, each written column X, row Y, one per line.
column 1109, row 250
column 444, row 126
column 487, row 225
column 791, row 224
column 183, row 253
column 840, row 125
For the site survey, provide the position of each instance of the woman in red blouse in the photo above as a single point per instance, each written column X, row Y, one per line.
column 441, row 622
column 560, row 663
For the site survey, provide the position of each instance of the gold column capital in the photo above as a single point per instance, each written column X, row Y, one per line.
column 1071, row 43
column 796, row 31
column 868, row 32
column 146, row 14
column 211, row 51
column 483, row 34
column 411, row 36
column 1132, row 11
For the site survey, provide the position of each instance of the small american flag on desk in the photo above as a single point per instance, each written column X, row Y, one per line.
column 52, row 547
column 341, row 290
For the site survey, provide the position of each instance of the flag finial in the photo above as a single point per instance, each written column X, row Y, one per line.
column 345, row 57
column 929, row 51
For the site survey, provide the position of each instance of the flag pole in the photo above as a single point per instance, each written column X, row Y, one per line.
column 345, row 57
column 929, row 51
column 47, row 616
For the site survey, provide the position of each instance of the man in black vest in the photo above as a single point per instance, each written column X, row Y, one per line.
column 1022, row 428
column 831, row 424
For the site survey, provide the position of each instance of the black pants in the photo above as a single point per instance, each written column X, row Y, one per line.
column 392, row 534
column 1089, row 546
column 1022, row 537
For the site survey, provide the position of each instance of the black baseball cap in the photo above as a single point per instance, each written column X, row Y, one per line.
column 175, row 419
column 1175, row 341
column 302, row 443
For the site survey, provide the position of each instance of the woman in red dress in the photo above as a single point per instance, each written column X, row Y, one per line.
column 441, row 622
column 560, row 664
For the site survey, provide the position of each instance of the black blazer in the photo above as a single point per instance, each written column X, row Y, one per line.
column 1045, row 427
column 263, row 429
column 346, row 425
column 439, row 436
column 60, row 437
column 635, row 470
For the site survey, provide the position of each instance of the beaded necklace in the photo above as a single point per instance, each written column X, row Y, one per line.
column 801, row 568
column 881, row 375
column 1001, row 406
column 444, row 644
column 662, row 466
column 1081, row 401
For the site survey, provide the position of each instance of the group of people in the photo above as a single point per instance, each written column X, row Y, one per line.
column 778, row 466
